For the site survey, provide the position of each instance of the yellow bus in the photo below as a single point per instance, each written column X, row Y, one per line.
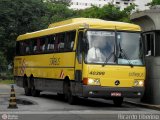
column 82, row 57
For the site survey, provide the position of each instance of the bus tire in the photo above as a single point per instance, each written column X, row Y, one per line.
column 68, row 94
column 118, row 101
column 71, row 99
column 34, row 92
column 27, row 90
column 60, row 95
column 65, row 84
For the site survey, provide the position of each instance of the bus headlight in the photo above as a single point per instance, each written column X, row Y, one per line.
column 141, row 83
column 138, row 83
column 91, row 81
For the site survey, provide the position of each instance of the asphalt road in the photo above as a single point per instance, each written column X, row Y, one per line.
column 51, row 107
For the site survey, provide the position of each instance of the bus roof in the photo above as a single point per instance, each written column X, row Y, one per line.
column 76, row 23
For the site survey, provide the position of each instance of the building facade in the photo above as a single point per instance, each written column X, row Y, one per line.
column 82, row 4
column 149, row 22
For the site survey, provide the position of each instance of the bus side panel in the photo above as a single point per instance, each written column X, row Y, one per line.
column 49, row 70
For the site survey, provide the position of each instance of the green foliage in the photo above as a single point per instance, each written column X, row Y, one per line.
column 154, row 2
column 108, row 12
column 57, row 12
column 7, row 82
column 22, row 16
column 64, row 2
column 2, row 59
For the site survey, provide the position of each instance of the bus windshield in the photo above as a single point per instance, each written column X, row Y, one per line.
column 101, row 45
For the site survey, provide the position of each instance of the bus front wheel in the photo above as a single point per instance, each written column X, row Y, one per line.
column 68, row 94
column 118, row 101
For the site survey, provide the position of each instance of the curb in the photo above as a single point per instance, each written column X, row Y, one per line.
column 9, row 94
column 154, row 107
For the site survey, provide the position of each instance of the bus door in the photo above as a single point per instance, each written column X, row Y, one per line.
column 79, row 64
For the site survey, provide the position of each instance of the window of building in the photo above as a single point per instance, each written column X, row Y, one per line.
column 117, row 2
column 149, row 40
column 157, row 43
column 126, row 3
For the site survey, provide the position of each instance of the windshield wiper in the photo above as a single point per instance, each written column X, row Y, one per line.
column 109, row 57
column 125, row 55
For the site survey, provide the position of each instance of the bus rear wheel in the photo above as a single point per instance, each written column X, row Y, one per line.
column 118, row 101
column 34, row 92
column 27, row 90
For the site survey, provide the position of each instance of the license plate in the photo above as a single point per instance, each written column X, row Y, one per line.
column 116, row 94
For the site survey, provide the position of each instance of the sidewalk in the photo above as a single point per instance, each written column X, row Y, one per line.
column 137, row 102
column 5, row 89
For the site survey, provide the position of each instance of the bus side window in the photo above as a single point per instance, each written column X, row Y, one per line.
column 22, row 48
column 79, row 47
column 56, row 43
column 27, row 49
column 34, row 46
column 46, row 43
column 70, row 38
column 30, row 46
column 61, row 41
column 42, row 44
column 38, row 46
column 50, row 46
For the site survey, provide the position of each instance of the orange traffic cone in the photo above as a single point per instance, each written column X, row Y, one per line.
column 12, row 101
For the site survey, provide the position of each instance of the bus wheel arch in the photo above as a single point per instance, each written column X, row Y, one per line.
column 66, row 79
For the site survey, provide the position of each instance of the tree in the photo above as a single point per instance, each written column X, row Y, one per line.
column 154, row 2
column 22, row 16
column 18, row 17
column 2, row 60
column 108, row 12
column 92, row 12
column 65, row 2
column 57, row 11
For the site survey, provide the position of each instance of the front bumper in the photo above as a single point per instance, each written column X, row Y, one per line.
column 101, row 92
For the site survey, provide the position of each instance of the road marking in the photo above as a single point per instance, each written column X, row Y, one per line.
column 81, row 112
